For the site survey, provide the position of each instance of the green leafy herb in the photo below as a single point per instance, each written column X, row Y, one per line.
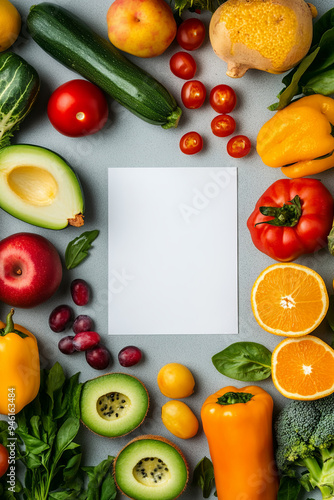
column 204, row 476
column 289, row 488
column 196, row 5
column 46, row 429
column 77, row 249
column 245, row 361
column 315, row 73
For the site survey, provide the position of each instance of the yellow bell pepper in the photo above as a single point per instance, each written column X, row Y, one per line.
column 19, row 367
column 238, row 427
column 298, row 138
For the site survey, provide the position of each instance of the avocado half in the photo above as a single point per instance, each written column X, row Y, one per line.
column 39, row 187
column 151, row 468
column 114, row 404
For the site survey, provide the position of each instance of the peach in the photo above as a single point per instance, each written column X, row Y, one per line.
column 143, row 28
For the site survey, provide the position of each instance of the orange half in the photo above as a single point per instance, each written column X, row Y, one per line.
column 289, row 299
column 303, row 368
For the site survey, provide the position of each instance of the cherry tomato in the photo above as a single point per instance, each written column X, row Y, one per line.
column 191, row 143
column 223, row 125
column 4, row 456
column 183, row 65
column 193, row 94
column 190, row 34
column 223, row 99
column 78, row 108
column 239, row 146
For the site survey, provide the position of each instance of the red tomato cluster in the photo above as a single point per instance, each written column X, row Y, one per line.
column 190, row 36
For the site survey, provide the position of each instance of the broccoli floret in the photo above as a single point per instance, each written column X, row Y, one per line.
column 305, row 438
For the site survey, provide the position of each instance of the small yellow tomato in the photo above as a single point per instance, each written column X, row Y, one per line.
column 178, row 418
column 176, row 381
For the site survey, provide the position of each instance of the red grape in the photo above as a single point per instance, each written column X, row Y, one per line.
column 80, row 292
column 86, row 340
column 98, row 357
column 82, row 323
column 65, row 345
column 60, row 318
column 129, row 356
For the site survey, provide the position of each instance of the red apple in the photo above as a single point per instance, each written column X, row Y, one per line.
column 30, row 270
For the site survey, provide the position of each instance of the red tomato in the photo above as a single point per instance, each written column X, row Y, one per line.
column 78, row 108
column 223, row 125
column 239, row 146
column 183, row 65
column 4, row 456
column 223, row 99
column 293, row 217
column 191, row 143
column 190, row 34
column 193, row 94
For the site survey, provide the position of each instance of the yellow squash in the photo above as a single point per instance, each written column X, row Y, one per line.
column 298, row 138
column 19, row 367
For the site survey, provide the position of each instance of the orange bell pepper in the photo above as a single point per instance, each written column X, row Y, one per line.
column 19, row 367
column 238, row 427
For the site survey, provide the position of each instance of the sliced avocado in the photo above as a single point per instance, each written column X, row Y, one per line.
column 39, row 187
column 151, row 468
column 113, row 404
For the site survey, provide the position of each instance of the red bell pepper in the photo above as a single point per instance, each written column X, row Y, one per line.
column 293, row 217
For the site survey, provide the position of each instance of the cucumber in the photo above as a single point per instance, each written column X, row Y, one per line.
column 69, row 40
column 19, row 86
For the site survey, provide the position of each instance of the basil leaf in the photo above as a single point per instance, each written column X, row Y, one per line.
column 101, row 485
column 55, row 381
column 65, row 436
column 245, row 361
column 289, row 488
column 77, row 249
column 32, row 444
column 203, row 476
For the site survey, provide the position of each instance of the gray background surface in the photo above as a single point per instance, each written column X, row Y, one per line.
column 127, row 141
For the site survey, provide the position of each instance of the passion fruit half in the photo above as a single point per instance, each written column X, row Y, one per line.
column 114, row 404
column 151, row 468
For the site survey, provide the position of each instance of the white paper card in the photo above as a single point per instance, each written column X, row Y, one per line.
column 172, row 251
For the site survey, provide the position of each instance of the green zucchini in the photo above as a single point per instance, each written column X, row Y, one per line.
column 19, row 86
column 69, row 40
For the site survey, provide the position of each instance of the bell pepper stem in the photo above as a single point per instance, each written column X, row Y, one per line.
column 287, row 215
column 9, row 323
column 232, row 398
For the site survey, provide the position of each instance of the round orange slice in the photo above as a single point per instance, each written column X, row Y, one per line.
column 289, row 299
column 303, row 368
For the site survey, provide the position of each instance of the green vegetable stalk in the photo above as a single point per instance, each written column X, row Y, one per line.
column 305, row 437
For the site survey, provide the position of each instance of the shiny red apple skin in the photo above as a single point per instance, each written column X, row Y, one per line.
column 30, row 270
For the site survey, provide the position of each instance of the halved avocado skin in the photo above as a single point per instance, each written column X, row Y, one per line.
column 150, row 439
column 95, row 428
column 17, row 154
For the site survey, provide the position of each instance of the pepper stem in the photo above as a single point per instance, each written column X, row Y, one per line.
column 9, row 323
column 232, row 398
column 287, row 215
